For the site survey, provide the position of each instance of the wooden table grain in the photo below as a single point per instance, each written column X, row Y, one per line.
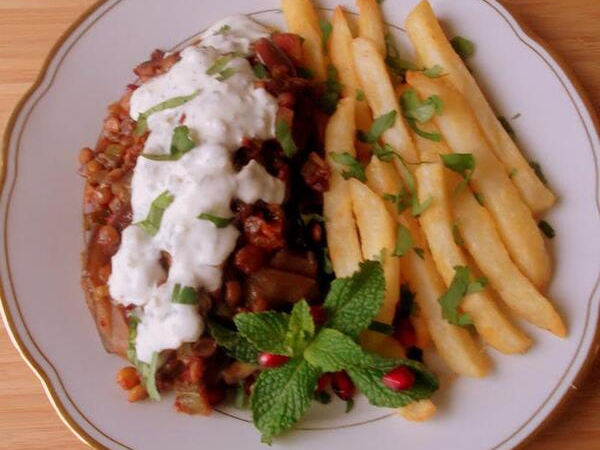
column 28, row 28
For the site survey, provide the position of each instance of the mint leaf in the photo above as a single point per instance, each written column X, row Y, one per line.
column 463, row 46
column 457, row 290
column 147, row 371
column 218, row 222
column 265, row 330
column 301, row 328
column 413, row 108
column 283, row 133
column 404, row 241
column 281, row 396
column 547, row 229
column 181, row 143
column 401, row 201
column 234, row 344
column 368, row 377
column 461, row 163
column 436, row 137
column 355, row 168
column 333, row 89
column 332, row 351
column 184, row 295
column 142, row 121
column 223, row 30
column 379, row 126
column 151, row 224
column 384, row 152
column 353, row 302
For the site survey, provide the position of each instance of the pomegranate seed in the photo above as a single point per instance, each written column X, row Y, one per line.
column 342, row 386
column 318, row 314
column 399, row 379
column 405, row 333
column 270, row 360
column 132, row 87
column 324, row 382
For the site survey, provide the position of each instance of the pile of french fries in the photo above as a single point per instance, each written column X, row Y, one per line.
column 500, row 236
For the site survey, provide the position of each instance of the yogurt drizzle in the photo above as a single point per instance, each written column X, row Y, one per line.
column 203, row 180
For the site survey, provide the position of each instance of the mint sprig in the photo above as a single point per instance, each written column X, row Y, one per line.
column 265, row 330
column 234, row 344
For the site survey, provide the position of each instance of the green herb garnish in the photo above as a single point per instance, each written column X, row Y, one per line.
column 283, row 133
column 151, row 224
column 434, row 71
column 360, row 95
column 355, row 168
column 404, row 241
column 218, row 222
column 221, row 63
column 463, row 164
column 417, row 111
column 460, row 286
column 463, row 46
column 458, row 239
column 260, row 71
column 379, row 126
column 312, row 217
column 420, row 252
column 147, row 371
column 547, row 229
column 326, row 29
column 181, row 143
column 234, row 344
column 142, row 121
column 223, row 30
column 184, row 295
column 333, row 89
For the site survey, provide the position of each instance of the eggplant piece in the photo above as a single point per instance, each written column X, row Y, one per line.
column 294, row 262
column 278, row 287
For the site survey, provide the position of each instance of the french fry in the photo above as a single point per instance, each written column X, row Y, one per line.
column 342, row 235
column 437, row 222
column 370, row 24
column 385, row 346
column 514, row 219
column 483, row 242
column 454, row 344
column 377, row 230
column 301, row 19
column 419, row 411
column 433, row 48
column 340, row 52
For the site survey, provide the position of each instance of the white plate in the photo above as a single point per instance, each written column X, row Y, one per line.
column 41, row 237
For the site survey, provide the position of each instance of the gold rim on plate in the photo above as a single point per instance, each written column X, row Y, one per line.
column 54, row 398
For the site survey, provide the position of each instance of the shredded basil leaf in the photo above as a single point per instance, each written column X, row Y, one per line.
column 463, row 164
column 404, row 241
column 333, row 89
column 379, row 126
column 142, row 121
column 151, row 224
column 326, row 29
column 355, row 168
column 218, row 222
column 221, row 63
column 436, row 137
column 184, row 295
column 283, row 133
column 181, row 143
column 226, row 73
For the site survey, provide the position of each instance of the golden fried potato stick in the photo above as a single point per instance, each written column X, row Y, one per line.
column 454, row 344
column 370, row 24
column 301, row 19
column 513, row 218
column 340, row 52
column 433, row 48
column 342, row 236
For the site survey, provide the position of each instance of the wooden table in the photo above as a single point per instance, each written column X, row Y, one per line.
column 28, row 28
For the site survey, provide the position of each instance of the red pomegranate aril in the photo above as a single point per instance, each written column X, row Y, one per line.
column 399, row 379
column 342, row 385
column 405, row 333
column 271, row 360
column 324, row 382
column 318, row 314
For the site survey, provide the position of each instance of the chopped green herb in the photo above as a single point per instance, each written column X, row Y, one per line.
column 184, row 295
column 151, row 224
column 333, row 89
column 419, row 208
column 327, row 264
column 434, row 71
column 401, row 201
column 479, row 197
column 379, row 126
column 146, row 370
column 142, row 121
column 413, row 108
column 226, row 73
column 420, row 252
column 436, row 137
column 404, row 241
column 463, row 46
column 380, row 327
column 507, row 126
column 350, row 403
column 451, row 300
column 513, row 173
column 312, row 217
column 397, row 65
column 537, row 168
column 221, row 63
column 360, row 95
column 283, row 133
column 461, row 163
column 458, row 239
column 223, row 30
column 355, row 168
column 547, row 229
column 181, row 143
column 383, row 152
column 326, row 29
column 218, row 222
column 260, row 71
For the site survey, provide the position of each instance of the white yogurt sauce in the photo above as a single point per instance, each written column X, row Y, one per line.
column 202, row 181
